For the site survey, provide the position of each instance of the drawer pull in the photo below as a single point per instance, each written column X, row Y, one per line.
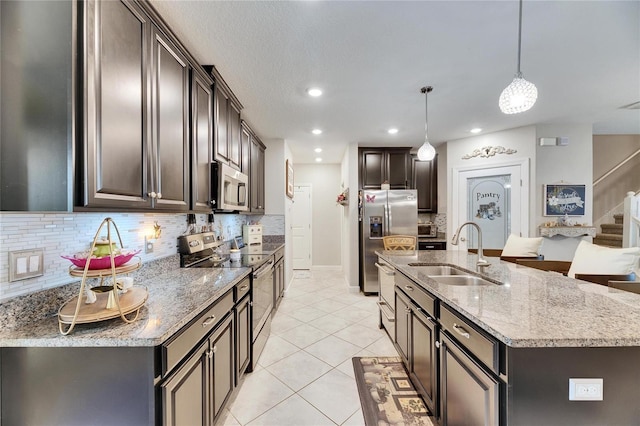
column 384, row 269
column 209, row 321
column 461, row 331
column 408, row 288
column 244, row 287
column 437, row 344
column 209, row 354
column 215, row 349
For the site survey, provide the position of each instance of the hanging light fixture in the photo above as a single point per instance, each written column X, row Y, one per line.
column 427, row 151
column 520, row 95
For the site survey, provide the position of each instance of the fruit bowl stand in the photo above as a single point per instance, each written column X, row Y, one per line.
column 111, row 301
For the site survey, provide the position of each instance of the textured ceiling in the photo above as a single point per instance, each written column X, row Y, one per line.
column 372, row 57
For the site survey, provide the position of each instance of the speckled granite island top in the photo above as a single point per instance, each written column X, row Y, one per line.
column 532, row 308
column 175, row 298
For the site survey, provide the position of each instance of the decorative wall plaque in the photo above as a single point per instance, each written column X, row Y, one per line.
column 489, row 151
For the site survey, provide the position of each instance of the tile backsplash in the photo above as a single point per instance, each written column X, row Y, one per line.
column 67, row 233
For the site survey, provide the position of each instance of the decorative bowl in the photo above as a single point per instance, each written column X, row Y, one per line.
column 80, row 259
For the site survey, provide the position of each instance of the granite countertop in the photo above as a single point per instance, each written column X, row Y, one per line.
column 175, row 298
column 532, row 308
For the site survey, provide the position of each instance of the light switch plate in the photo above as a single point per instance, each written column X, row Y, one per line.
column 25, row 264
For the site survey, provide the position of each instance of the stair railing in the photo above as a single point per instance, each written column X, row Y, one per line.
column 631, row 221
column 622, row 163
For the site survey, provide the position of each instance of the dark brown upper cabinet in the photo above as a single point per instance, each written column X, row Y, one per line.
column 424, row 178
column 37, row 106
column 226, row 113
column 136, row 111
column 380, row 165
column 201, row 141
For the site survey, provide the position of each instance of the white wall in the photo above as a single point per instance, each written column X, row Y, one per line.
column 351, row 244
column 563, row 164
column 276, row 200
column 325, row 181
column 521, row 139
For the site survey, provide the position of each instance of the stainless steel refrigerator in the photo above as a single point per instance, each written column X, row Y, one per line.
column 392, row 212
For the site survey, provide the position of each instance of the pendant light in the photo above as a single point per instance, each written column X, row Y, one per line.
column 520, row 95
column 426, row 152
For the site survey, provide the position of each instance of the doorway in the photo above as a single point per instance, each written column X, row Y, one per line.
column 301, row 228
column 496, row 197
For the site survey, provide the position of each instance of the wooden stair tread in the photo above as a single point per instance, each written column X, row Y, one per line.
column 614, row 237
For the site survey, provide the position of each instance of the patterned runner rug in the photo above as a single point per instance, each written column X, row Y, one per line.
column 387, row 395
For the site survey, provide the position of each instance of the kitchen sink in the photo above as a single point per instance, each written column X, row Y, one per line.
column 462, row 280
column 436, row 269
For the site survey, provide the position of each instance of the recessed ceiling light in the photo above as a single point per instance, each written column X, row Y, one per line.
column 318, row 150
column 392, row 131
column 318, row 159
column 314, row 91
column 316, row 131
column 476, row 130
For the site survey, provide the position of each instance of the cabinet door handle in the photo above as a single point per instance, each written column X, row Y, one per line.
column 461, row 331
column 437, row 344
column 152, row 194
column 408, row 288
column 215, row 349
column 209, row 353
column 209, row 321
column 407, row 310
column 385, row 270
column 159, row 195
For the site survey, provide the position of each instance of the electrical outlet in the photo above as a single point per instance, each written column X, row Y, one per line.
column 585, row 389
column 148, row 245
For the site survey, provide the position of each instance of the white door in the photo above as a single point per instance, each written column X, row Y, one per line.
column 496, row 198
column 301, row 228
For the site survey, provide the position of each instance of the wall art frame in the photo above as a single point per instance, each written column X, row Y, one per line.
column 289, row 179
column 564, row 199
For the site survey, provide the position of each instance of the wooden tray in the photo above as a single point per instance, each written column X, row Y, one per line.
column 130, row 301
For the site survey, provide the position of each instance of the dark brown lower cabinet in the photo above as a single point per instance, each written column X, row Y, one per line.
column 196, row 392
column 469, row 395
column 243, row 337
column 416, row 336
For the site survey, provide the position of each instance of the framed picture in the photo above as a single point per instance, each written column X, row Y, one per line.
column 289, row 180
column 564, row 199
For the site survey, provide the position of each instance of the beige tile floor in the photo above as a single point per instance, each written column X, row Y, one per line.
column 305, row 375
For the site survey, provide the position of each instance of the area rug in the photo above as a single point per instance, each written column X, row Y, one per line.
column 386, row 394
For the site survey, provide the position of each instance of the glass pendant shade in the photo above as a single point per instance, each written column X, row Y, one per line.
column 519, row 96
column 426, row 152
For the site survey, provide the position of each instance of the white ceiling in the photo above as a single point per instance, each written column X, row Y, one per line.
column 372, row 57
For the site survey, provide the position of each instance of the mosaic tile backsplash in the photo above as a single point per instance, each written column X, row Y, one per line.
column 68, row 233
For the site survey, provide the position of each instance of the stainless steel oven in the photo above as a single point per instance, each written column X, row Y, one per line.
column 202, row 251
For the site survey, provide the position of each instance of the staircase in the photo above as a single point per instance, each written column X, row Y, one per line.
column 611, row 235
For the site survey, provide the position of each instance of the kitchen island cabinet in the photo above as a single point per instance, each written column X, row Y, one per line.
column 533, row 331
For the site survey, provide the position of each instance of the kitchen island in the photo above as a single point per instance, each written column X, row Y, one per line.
column 544, row 329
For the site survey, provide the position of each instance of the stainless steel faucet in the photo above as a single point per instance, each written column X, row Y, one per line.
column 481, row 260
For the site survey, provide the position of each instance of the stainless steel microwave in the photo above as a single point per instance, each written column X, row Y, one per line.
column 230, row 188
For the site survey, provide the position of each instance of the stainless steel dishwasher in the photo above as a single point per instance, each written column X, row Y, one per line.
column 262, row 306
